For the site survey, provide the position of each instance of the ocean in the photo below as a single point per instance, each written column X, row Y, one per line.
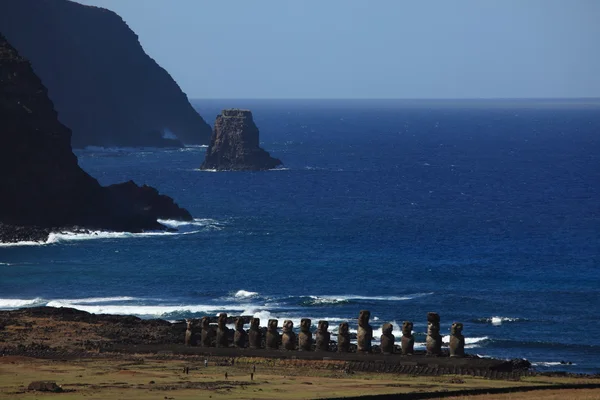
column 487, row 212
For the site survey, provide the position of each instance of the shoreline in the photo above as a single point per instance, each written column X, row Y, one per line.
column 47, row 331
column 116, row 356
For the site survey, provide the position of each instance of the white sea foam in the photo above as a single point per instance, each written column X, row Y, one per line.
column 147, row 310
column 91, row 300
column 183, row 227
column 24, row 243
column 266, row 315
column 17, row 303
column 244, row 294
column 500, row 320
column 328, row 299
column 552, row 364
column 3, row 263
column 470, row 342
column 206, row 223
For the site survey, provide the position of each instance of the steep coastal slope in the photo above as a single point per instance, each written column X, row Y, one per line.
column 41, row 185
column 104, row 86
column 234, row 144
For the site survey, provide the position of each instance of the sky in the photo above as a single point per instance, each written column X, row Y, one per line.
column 372, row 48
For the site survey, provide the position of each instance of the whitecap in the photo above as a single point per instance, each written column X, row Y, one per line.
column 244, row 294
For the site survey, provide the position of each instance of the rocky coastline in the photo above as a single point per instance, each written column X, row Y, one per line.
column 234, row 144
column 45, row 331
column 42, row 187
column 105, row 88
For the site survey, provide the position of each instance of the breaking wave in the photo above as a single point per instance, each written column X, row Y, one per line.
column 498, row 320
column 18, row 303
column 183, row 228
column 328, row 300
column 244, row 294
column 552, row 363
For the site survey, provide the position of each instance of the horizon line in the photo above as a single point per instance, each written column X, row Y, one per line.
column 404, row 98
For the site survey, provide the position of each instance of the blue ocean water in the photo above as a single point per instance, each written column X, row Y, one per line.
column 487, row 212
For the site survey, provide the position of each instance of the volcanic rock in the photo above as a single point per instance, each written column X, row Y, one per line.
column 234, row 144
column 44, row 386
column 42, row 188
column 103, row 84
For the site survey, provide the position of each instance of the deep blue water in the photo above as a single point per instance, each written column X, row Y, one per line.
column 486, row 212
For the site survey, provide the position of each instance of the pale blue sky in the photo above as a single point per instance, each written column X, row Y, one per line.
column 372, row 48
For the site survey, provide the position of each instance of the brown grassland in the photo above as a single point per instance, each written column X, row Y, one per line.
column 146, row 377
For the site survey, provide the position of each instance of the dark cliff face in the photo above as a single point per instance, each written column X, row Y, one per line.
column 104, row 86
column 41, row 184
column 234, row 144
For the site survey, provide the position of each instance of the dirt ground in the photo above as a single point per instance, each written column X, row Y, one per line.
column 145, row 377
column 119, row 357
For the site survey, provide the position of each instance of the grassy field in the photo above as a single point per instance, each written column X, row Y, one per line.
column 146, row 378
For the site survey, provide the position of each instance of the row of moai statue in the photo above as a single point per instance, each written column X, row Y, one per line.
column 304, row 340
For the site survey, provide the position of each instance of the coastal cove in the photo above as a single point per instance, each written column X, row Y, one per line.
column 485, row 212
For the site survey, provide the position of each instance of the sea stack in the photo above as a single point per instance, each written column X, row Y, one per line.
column 234, row 144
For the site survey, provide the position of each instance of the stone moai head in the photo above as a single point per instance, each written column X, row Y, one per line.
column 239, row 324
column 288, row 326
column 387, row 329
column 222, row 320
column 305, row 324
column 407, row 328
column 433, row 318
column 205, row 323
column 255, row 324
column 433, row 323
column 189, row 324
column 343, row 329
column 323, row 326
column 363, row 318
column 272, row 326
column 456, row 329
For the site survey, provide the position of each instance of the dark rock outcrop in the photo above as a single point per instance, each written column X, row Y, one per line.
column 234, row 144
column 42, row 188
column 103, row 84
column 44, row 386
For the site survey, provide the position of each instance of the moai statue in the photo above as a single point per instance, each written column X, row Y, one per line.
column 222, row 331
column 408, row 340
column 434, row 339
column 343, row 338
column 365, row 332
column 272, row 341
column 190, row 333
column 288, row 339
column 240, row 337
column 387, row 339
column 207, row 332
column 254, row 335
column 457, row 340
column 322, row 336
column 305, row 335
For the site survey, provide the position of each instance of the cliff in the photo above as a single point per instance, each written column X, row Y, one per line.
column 42, row 187
column 104, row 86
column 234, row 144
